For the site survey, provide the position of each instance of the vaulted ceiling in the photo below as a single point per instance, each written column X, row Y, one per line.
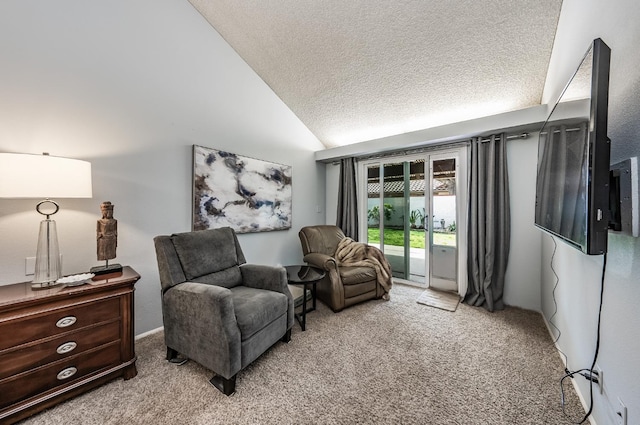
column 359, row 70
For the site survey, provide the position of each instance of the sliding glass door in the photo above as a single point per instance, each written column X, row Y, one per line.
column 413, row 212
column 395, row 209
column 443, row 245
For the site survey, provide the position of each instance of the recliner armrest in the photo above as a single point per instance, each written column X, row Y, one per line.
column 265, row 277
column 204, row 312
column 323, row 261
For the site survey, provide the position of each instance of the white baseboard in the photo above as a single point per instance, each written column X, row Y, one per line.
column 151, row 332
column 583, row 400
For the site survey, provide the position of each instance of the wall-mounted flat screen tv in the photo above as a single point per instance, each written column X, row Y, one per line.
column 572, row 187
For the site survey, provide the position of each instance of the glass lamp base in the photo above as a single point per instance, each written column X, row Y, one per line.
column 47, row 268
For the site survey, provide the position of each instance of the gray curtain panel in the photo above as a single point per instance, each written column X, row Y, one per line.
column 489, row 223
column 347, row 199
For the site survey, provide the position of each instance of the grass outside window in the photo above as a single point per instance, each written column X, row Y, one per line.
column 395, row 237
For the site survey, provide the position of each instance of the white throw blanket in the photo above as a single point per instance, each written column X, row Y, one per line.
column 357, row 254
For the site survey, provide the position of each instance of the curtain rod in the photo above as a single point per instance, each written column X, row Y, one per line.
column 430, row 148
column 510, row 137
column 566, row 130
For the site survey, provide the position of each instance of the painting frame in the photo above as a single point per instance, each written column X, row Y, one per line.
column 249, row 195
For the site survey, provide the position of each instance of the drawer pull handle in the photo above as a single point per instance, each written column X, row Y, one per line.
column 66, row 321
column 67, row 373
column 67, row 347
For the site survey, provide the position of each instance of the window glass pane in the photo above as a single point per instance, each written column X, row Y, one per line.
column 444, row 202
column 393, row 217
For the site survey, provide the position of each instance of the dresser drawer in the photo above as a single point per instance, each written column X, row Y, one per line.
column 41, row 325
column 30, row 356
column 25, row 385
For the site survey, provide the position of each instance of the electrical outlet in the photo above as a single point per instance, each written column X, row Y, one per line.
column 621, row 413
column 29, row 266
column 596, row 376
column 600, row 373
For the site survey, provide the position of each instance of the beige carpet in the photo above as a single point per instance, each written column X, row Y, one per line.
column 380, row 362
column 439, row 299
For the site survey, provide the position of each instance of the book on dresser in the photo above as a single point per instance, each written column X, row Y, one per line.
column 60, row 342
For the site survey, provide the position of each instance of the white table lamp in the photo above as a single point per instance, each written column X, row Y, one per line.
column 44, row 176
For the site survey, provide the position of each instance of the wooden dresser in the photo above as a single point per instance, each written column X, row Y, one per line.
column 57, row 343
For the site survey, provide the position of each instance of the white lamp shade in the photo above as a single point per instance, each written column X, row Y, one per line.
column 43, row 176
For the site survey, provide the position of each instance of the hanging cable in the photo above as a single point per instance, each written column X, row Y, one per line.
column 555, row 304
column 595, row 356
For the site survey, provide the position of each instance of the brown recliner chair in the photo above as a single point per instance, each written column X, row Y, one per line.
column 342, row 286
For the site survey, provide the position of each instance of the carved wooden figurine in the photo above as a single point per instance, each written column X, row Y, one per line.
column 107, row 233
column 107, row 240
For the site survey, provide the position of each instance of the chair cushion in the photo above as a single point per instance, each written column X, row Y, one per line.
column 358, row 289
column 323, row 239
column 227, row 278
column 206, row 251
column 354, row 275
column 257, row 308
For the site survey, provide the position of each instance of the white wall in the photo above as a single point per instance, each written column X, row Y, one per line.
column 522, row 287
column 578, row 289
column 331, row 197
column 131, row 86
column 522, row 280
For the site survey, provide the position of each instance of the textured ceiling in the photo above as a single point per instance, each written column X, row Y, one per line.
column 359, row 70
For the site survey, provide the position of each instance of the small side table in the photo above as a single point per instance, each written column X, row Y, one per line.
column 308, row 277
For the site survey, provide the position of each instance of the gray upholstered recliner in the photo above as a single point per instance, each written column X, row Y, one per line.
column 342, row 286
column 217, row 310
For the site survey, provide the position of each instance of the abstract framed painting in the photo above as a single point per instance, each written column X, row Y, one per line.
column 246, row 194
